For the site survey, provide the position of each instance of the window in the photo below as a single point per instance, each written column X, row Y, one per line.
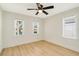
column 69, row 27
column 19, row 27
column 35, row 27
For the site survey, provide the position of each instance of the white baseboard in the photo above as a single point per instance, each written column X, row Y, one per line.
column 62, row 46
column 22, row 43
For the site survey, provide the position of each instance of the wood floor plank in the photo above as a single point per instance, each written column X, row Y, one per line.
column 40, row 48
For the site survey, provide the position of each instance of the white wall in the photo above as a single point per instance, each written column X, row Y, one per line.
column 50, row 29
column 9, row 37
column 0, row 29
column 53, row 30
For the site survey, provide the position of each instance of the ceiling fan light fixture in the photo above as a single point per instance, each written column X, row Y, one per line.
column 40, row 11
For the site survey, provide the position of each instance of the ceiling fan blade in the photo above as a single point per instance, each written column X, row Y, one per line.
column 49, row 7
column 37, row 13
column 38, row 5
column 32, row 9
column 45, row 12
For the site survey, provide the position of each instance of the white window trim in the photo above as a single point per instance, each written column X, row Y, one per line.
column 71, row 17
column 22, row 27
column 35, row 23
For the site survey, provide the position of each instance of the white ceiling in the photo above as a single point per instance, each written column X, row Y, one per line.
column 21, row 8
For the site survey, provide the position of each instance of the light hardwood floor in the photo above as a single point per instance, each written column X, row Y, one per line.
column 40, row 48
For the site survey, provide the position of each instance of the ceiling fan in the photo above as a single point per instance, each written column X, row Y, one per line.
column 40, row 8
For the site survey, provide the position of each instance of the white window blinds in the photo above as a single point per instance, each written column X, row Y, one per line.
column 69, row 27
